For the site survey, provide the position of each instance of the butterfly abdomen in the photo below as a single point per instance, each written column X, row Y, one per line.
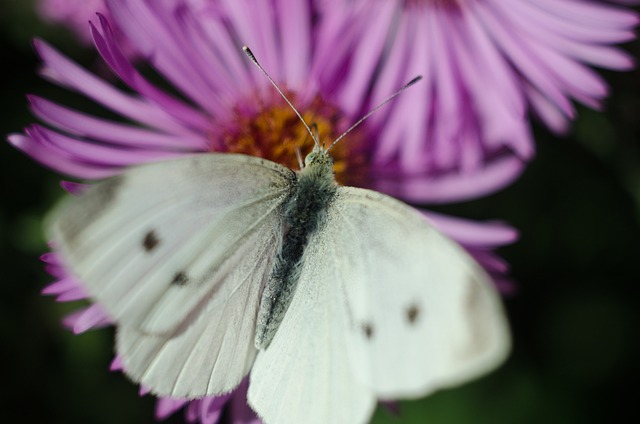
column 304, row 213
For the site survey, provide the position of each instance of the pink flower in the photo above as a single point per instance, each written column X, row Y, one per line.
column 486, row 64
column 74, row 14
column 312, row 61
column 224, row 104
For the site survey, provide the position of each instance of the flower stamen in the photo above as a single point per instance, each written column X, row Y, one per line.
column 275, row 132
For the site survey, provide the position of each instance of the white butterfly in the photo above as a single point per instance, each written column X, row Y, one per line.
column 215, row 266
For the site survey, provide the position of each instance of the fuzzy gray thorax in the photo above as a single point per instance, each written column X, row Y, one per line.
column 304, row 213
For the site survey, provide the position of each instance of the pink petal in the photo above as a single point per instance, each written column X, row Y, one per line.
column 472, row 233
column 83, row 125
column 66, row 73
column 88, row 318
column 116, row 364
column 61, row 286
column 109, row 49
column 451, row 187
column 75, row 189
column 166, row 407
column 99, row 155
column 157, row 36
column 56, row 160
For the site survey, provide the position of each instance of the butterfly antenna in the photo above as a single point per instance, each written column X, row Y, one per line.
column 315, row 131
column 387, row 100
column 249, row 53
column 299, row 157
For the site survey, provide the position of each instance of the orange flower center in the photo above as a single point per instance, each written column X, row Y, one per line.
column 276, row 133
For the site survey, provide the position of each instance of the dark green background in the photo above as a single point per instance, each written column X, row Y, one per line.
column 574, row 317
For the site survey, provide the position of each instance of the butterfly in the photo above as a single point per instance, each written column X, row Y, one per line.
column 218, row 266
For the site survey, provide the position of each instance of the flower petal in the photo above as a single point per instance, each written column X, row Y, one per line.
column 471, row 233
column 64, row 72
column 83, row 125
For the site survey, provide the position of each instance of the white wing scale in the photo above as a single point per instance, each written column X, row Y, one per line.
column 386, row 308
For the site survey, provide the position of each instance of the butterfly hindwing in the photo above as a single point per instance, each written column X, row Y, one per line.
column 305, row 374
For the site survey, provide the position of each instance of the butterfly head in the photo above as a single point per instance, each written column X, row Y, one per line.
column 319, row 162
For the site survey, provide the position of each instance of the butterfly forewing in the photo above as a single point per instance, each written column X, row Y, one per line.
column 213, row 350
column 150, row 244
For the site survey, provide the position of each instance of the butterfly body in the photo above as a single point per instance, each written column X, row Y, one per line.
column 304, row 213
column 199, row 260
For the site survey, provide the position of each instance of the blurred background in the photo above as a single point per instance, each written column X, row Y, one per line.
column 574, row 315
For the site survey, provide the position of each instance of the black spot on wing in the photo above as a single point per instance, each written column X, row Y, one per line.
column 150, row 241
column 180, row 279
column 413, row 313
column 367, row 330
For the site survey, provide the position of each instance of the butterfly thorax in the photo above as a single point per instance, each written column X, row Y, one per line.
column 304, row 213
column 314, row 190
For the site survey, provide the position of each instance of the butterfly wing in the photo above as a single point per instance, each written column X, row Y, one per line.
column 423, row 315
column 386, row 307
column 166, row 247
column 305, row 374
column 214, row 349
